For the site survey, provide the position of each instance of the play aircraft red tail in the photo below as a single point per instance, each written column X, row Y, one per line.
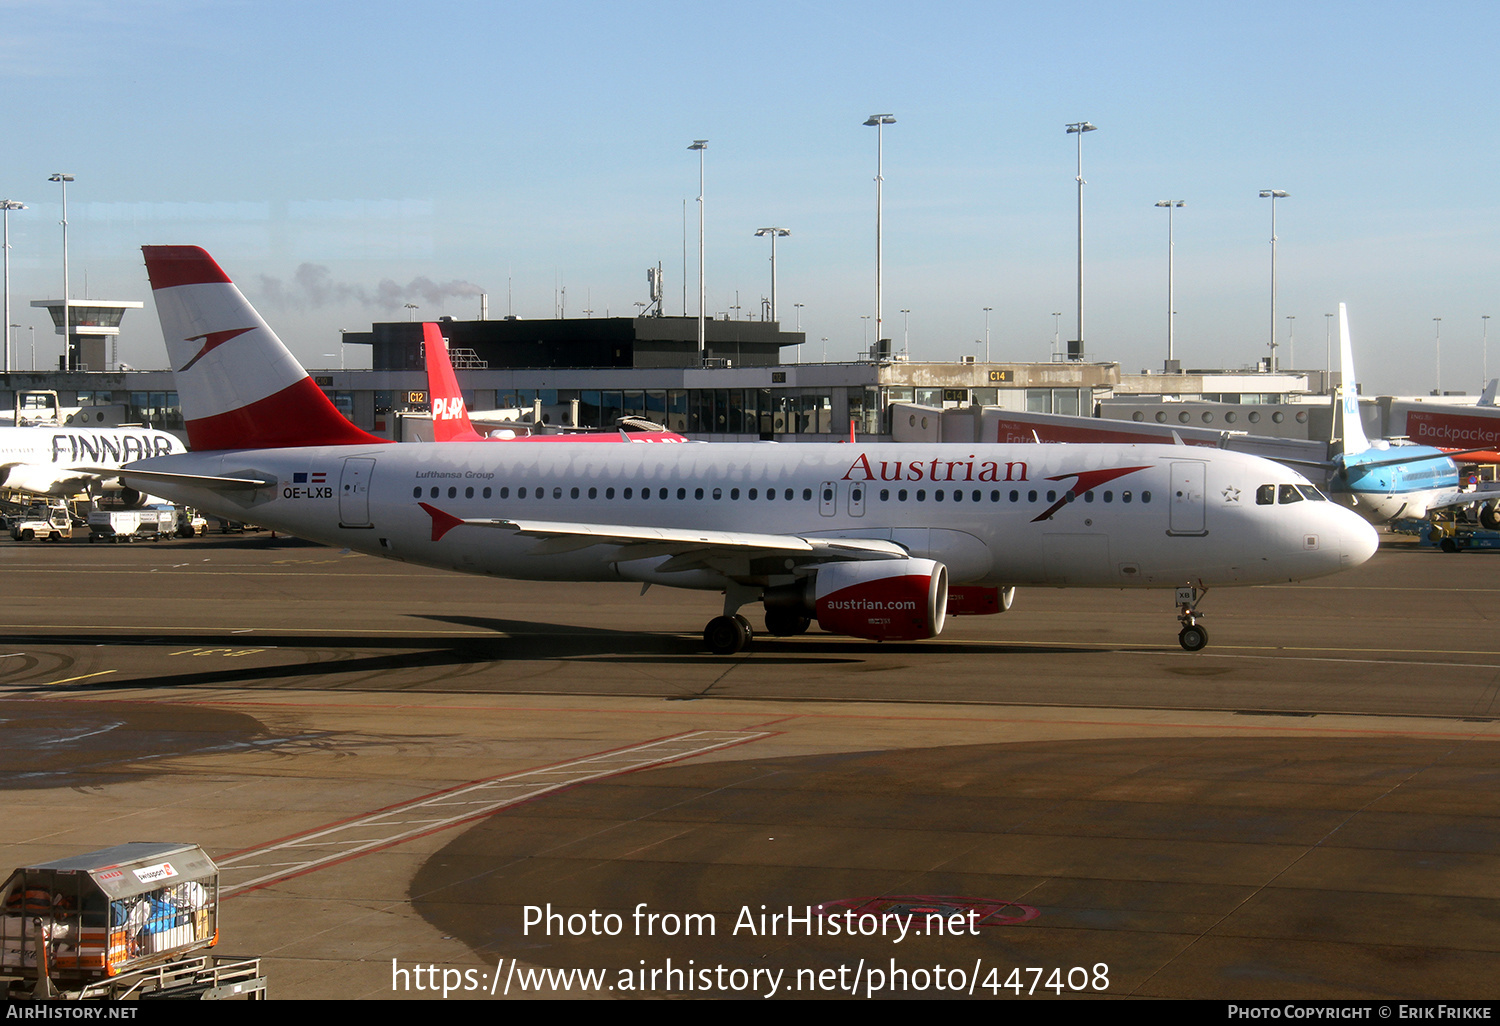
column 450, row 418
column 239, row 386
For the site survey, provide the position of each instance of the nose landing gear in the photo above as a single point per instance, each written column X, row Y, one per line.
column 1193, row 637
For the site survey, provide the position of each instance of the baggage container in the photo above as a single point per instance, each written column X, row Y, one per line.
column 108, row 912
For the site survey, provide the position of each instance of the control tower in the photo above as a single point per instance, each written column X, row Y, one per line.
column 94, row 322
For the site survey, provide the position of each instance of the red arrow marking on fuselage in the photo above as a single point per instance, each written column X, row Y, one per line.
column 213, row 340
column 1087, row 480
column 442, row 522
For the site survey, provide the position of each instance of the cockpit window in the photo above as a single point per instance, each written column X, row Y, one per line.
column 1265, row 495
column 1288, row 493
column 1311, row 493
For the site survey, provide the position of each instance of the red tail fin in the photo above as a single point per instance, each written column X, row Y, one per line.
column 239, row 386
column 450, row 418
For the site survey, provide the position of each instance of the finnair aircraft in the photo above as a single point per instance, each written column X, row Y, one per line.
column 450, row 416
column 864, row 539
column 64, row 461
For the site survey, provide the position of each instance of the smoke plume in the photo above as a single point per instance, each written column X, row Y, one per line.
column 312, row 287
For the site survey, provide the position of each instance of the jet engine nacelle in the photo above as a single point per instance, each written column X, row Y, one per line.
column 971, row 600
column 131, row 499
column 882, row 599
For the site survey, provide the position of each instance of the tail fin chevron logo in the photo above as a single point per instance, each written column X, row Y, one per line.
column 212, row 340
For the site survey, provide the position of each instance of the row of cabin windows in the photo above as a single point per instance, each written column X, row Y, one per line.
column 787, row 494
column 1014, row 495
column 609, row 493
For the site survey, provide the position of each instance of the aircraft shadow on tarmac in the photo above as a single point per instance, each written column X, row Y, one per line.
column 360, row 661
column 812, row 647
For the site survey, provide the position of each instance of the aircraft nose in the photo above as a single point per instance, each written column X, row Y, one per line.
column 1358, row 541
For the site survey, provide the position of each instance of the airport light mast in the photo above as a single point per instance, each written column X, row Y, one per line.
column 1273, row 195
column 878, row 122
column 1437, row 345
column 774, row 233
column 1078, row 128
column 700, row 145
column 1171, row 206
column 8, row 206
column 67, row 311
column 1328, row 357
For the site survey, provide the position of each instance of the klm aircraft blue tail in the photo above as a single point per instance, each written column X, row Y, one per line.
column 1348, row 428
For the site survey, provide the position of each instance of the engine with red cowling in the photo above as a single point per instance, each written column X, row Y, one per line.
column 882, row 600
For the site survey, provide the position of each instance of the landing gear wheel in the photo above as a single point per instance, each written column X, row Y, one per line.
column 784, row 622
column 1489, row 518
column 1192, row 637
column 726, row 635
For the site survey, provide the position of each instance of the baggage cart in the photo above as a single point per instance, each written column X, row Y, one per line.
column 133, row 918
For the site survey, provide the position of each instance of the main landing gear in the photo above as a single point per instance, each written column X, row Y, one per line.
column 1193, row 636
column 726, row 635
column 784, row 623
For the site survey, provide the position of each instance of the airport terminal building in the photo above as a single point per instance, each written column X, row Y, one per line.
column 751, row 382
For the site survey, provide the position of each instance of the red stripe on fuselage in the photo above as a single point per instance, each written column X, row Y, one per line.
column 298, row 415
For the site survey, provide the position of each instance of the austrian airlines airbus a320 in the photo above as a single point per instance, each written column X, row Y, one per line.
column 874, row 541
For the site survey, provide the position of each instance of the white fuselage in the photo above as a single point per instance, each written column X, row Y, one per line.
column 63, row 461
column 1142, row 516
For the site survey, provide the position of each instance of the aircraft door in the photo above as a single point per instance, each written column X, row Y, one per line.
column 857, row 499
column 1188, row 500
column 354, row 492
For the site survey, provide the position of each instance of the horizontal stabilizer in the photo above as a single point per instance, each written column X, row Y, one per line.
column 217, row 484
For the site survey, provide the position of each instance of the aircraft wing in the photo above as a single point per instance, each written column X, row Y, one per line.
column 1442, row 454
column 1472, row 497
column 52, row 480
column 690, row 549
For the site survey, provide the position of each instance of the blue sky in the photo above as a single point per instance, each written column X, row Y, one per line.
column 531, row 147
